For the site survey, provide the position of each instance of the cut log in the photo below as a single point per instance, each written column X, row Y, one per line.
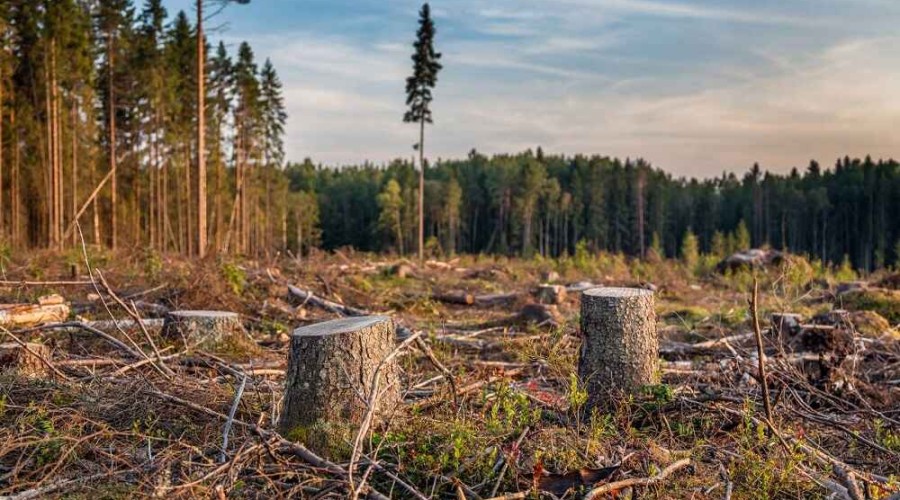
column 299, row 296
column 551, row 294
column 49, row 309
column 331, row 368
column 459, row 298
column 25, row 360
column 494, row 299
column 215, row 330
column 786, row 324
column 620, row 349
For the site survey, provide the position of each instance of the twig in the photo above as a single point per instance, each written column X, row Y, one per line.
column 644, row 481
column 372, row 403
column 761, row 354
column 506, row 461
column 227, row 430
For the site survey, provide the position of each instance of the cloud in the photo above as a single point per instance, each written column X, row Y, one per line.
column 693, row 87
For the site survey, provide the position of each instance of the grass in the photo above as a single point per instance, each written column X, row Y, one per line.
column 701, row 409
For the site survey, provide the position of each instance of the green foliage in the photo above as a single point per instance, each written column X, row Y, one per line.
column 235, row 277
column 885, row 436
column 576, row 394
column 741, row 238
column 153, row 264
column 719, row 247
column 845, row 272
column 690, row 251
column 510, row 411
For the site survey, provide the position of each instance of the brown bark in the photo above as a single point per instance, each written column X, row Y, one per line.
column 218, row 330
column 112, row 142
column 620, row 347
column 24, row 360
column 201, row 136
column 331, row 369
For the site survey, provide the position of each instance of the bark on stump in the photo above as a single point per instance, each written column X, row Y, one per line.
column 331, row 368
column 218, row 330
column 24, row 361
column 620, row 348
column 551, row 294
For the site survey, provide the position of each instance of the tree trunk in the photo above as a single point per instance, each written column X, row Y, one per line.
column 112, row 144
column 201, row 136
column 620, row 349
column 422, row 189
column 219, row 330
column 25, row 360
column 333, row 367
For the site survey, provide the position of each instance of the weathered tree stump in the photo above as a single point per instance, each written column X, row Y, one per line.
column 620, row 349
column 24, row 360
column 219, row 330
column 331, row 368
column 551, row 294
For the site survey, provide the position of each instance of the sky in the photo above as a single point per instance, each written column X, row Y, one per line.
column 696, row 87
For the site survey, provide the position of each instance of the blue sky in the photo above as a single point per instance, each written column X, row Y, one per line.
column 695, row 87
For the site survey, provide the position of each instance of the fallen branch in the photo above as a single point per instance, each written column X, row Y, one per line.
column 308, row 297
column 644, row 481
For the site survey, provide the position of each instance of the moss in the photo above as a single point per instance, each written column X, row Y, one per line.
column 333, row 440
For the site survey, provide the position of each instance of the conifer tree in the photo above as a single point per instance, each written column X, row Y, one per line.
column 426, row 66
column 390, row 203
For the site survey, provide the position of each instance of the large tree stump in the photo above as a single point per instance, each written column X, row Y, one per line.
column 218, row 330
column 331, row 368
column 24, row 360
column 620, row 349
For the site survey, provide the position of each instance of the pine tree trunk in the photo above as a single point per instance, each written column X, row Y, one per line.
column 330, row 365
column 620, row 349
column 422, row 189
column 201, row 136
column 112, row 144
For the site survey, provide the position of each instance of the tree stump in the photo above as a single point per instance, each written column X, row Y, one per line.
column 218, row 330
column 331, row 368
column 620, row 349
column 24, row 361
column 551, row 294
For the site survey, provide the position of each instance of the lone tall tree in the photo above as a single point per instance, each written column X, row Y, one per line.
column 418, row 98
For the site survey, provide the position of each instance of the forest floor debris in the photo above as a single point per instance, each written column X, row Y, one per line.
column 108, row 406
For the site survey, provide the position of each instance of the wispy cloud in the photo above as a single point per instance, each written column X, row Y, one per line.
column 695, row 86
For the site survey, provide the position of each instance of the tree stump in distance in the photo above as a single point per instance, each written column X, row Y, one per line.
column 551, row 294
column 330, row 365
column 620, row 348
column 25, row 361
column 217, row 330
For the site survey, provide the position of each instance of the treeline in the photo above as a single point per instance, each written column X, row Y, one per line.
column 533, row 203
column 100, row 122
column 99, row 108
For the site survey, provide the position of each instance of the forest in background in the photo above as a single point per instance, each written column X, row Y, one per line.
column 98, row 119
column 532, row 203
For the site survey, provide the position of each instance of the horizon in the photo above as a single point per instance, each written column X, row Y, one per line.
column 718, row 87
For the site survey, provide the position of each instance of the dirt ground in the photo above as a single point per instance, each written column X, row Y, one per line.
column 492, row 403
